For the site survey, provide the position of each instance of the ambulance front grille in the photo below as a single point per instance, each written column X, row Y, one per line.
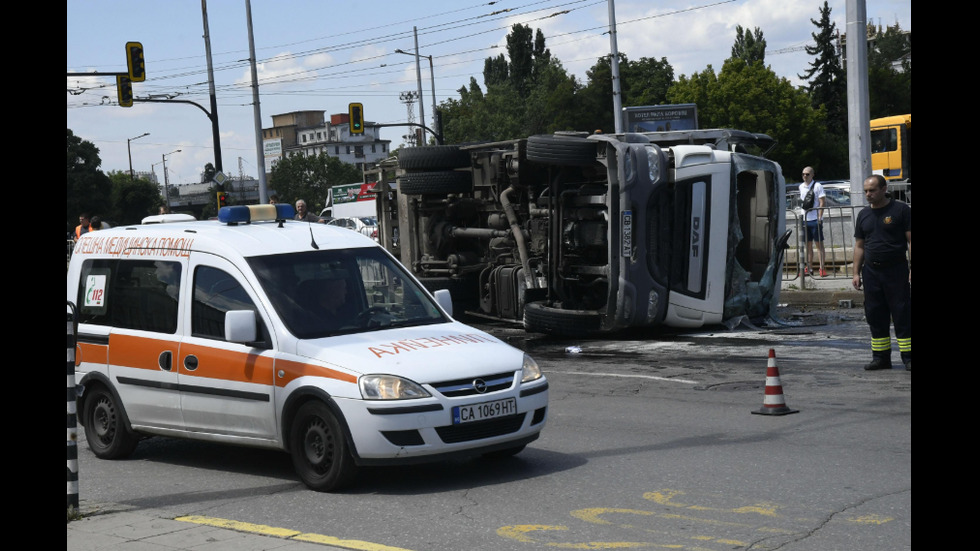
column 477, row 430
column 468, row 386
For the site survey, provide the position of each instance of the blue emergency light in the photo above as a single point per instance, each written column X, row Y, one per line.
column 246, row 214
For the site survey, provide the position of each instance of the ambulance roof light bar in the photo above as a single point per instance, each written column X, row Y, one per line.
column 246, row 214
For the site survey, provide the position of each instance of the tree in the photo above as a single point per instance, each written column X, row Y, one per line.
column 752, row 97
column 827, row 81
column 889, row 71
column 749, row 47
column 643, row 82
column 527, row 92
column 89, row 189
column 310, row 177
column 132, row 200
column 828, row 91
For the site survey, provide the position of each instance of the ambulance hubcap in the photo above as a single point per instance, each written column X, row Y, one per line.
column 319, row 445
column 104, row 416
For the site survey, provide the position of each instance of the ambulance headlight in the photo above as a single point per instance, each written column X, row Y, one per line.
column 530, row 371
column 389, row 387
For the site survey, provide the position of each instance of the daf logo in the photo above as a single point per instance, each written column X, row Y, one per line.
column 479, row 385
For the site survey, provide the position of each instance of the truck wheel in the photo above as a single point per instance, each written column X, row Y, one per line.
column 435, row 183
column 433, row 157
column 561, row 150
column 105, row 426
column 541, row 318
column 319, row 449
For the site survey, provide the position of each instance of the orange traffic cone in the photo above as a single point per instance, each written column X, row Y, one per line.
column 773, row 403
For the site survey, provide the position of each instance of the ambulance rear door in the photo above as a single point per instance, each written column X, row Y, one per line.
column 138, row 320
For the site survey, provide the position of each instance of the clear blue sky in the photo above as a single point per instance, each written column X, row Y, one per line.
column 321, row 55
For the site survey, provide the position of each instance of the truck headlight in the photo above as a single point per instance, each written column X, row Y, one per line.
column 530, row 370
column 653, row 163
column 389, row 387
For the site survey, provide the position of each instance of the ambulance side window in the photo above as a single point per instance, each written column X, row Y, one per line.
column 130, row 294
column 217, row 292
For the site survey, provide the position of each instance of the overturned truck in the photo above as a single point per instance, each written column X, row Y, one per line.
column 575, row 234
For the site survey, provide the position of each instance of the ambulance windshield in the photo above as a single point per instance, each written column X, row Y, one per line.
column 334, row 292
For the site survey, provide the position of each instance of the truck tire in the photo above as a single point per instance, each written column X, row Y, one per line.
column 435, row 183
column 561, row 150
column 433, row 157
column 541, row 318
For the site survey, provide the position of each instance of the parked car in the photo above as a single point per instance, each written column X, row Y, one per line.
column 365, row 225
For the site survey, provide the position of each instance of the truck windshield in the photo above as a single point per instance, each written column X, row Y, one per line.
column 334, row 292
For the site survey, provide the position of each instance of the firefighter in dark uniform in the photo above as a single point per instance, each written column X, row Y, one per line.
column 882, row 253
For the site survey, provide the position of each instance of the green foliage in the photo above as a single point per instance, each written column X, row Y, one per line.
column 527, row 92
column 749, row 46
column 828, row 84
column 751, row 97
column 889, row 72
column 89, row 190
column 643, row 82
column 828, row 92
column 310, row 177
column 132, row 200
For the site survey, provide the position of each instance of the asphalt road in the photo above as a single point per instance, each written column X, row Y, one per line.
column 651, row 442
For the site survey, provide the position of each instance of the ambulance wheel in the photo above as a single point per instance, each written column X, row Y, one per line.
column 105, row 426
column 319, row 449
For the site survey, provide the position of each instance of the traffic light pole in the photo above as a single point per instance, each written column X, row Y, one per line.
column 215, row 136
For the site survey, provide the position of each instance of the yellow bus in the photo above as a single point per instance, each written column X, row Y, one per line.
column 891, row 147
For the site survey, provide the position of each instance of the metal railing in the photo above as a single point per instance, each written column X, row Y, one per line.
column 838, row 243
column 838, row 231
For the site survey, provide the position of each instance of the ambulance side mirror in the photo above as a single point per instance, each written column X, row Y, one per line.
column 445, row 300
column 240, row 326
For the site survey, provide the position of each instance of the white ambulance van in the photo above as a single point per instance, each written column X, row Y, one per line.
column 259, row 330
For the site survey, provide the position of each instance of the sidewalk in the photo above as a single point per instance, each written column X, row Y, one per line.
column 120, row 528
column 820, row 292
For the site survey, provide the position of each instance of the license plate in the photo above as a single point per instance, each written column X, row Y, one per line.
column 486, row 410
column 627, row 233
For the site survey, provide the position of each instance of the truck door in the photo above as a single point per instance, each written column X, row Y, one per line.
column 225, row 387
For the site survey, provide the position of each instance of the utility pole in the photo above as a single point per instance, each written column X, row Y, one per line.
column 614, row 60
column 214, row 97
column 858, row 109
column 256, row 110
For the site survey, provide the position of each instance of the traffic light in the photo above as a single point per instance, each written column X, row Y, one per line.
column 134, row 60
column 222, row 199
column 124, row 87
column 356, row 112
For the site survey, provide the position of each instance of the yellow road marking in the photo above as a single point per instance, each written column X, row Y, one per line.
column 284, row 533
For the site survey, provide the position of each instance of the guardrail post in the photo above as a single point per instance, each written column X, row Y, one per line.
column 72, row 417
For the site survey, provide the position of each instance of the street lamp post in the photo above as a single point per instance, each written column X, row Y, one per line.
column 432, row 78
column 132, row 175
column 166, row 180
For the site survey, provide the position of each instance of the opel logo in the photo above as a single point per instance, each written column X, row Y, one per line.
column 479, row 385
